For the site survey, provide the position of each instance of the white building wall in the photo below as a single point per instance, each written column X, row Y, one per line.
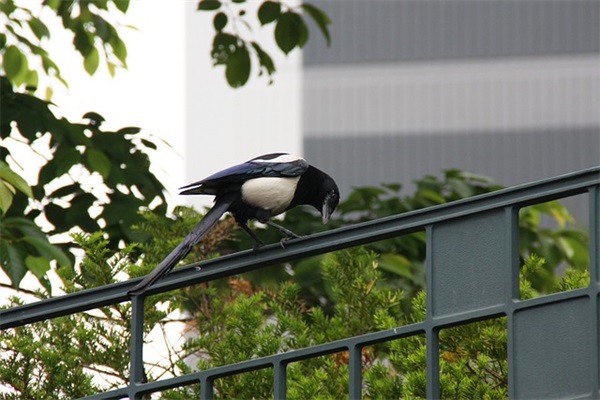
column 225, row 126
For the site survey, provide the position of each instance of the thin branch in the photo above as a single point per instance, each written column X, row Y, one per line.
column 114, row 374
column 26, row 291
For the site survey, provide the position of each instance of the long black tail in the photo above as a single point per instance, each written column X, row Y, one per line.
column 185, row 246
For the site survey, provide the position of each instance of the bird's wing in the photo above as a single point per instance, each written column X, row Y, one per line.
column 271, row 165
column 199, row 231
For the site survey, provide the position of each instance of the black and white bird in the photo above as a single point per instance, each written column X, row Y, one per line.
column 259, row 189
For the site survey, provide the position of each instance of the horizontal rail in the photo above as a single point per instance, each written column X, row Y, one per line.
column 272, row 360
column 345, row 344
column 383, row 228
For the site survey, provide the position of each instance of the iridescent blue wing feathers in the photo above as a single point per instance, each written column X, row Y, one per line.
column 276, row 165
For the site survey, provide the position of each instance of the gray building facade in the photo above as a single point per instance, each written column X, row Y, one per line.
column 508, row 89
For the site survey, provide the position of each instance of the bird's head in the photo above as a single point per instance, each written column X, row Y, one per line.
column 330, row 197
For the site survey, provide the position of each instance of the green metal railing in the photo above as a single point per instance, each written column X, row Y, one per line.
column 472, row 271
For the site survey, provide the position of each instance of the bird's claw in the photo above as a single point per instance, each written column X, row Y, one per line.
column 257, row 245
column 286, row 239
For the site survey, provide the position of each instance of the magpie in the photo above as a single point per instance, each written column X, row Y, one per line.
column 258, row 189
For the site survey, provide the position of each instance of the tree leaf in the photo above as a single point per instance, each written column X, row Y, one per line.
column 25, row 226
column 289, row 31
column 12, row 258
column 48, row 64
column 209, row 5
column 64, row 159
column 303, row 33
column 13, row 62
column 8, row 175
column 219, row 21
column 237, row 70
column 432, row 196
column 129, row 130
column 320, row 18
column 149, row 144
column 32, row 80
column 83, row 41
column 122, row 5
column 6, row 196
column 91, row 61
column 37, row 265
column 99, row 162
column 394, row 187
column 264, row 58
column 119, row 48
column 102, row 28
column 462, row 188
column 268, row 12
column 396, row 264
column 95, row 118
column 39, row 29
column 223, row 46
column 48, row 250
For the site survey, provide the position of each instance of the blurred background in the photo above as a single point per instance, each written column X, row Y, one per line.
column 407, row 88
column 506, row 89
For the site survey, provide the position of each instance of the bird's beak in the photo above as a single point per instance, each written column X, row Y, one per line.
column 325, row 213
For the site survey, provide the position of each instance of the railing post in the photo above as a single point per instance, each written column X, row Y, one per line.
column 433, row 364
column 594, row 229
column 206, row 388
column 512, row 229
column 136, row 357
column 279, row 380
column 355, row 367
column 594, row 249
column 431, row 340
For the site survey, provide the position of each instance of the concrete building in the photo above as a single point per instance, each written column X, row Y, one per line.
column 506, row 89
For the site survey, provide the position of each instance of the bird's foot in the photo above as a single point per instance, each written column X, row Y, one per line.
column 257, row 245
column 286, row 239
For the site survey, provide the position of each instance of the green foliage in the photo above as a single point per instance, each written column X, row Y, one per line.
column 242, row 322
column 10, row 182
column 473, row 361
column 84, row 353
column 245, row 322
column 235, row 51
column 63, row 196
column 55, row 369
column 547, row 230
column 94, row 36
column 236, row 320
column 290, row 31
column 535, row 269
column 58, row 358
column 89, row 178
column 473, row 357
column 119, row 158
column 24, row 247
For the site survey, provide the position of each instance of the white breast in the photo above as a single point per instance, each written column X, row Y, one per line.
column 273, row 194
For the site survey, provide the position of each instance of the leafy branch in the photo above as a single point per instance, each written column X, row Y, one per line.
column 232, row 49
